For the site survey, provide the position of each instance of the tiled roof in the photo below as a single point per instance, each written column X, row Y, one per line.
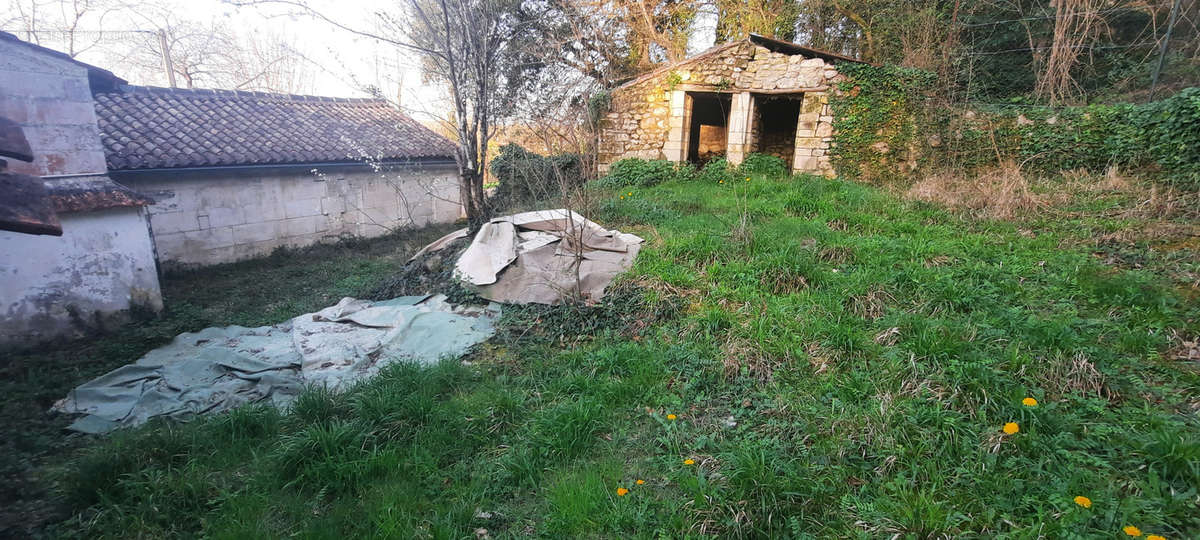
column 146, row 128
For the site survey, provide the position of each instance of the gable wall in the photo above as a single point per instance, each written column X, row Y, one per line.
column 51, row 99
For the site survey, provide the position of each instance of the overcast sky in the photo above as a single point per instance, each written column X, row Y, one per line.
column 340, row 63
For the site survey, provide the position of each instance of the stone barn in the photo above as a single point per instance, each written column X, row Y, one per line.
column 755, row 95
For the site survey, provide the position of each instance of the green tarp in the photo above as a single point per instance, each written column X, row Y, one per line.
column 217, row 369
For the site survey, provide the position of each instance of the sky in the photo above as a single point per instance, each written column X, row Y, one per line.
column 340, row 63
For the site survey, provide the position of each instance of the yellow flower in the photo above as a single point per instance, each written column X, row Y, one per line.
column 621, row 492
column 622, row 197
column 671, row 417
column 721, row 182
column 1154, row 537
column 747, row 178
column 630, row 193
column 640, row 482
column 1011, row 428
column 689, row 461
column 1083, row 501
column 1132, row 531
column 1029, row 402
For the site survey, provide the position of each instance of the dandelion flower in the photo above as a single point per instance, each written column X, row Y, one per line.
column 1154, row 537
column 640, row 482
column 1083, row 501
column 1011, row 428
column 1029, row 402
column 630, row 193
column 671, row 417
column 1132, row 531
column 622, row 197
column 747, row 178
column 621, row 492
column 689, row 461
column 721, row 182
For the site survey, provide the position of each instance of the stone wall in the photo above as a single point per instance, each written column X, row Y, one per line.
column 640, row 117
column 83, row 281
column 778, row 145
column 51, row 99
column 217, row 217
column 712, row 142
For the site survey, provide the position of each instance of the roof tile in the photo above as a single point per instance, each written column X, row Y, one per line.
column 146, row 127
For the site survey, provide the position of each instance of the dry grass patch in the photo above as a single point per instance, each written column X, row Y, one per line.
column 1079, row 375
column 1002, row 192
column 870, row 305
column 744, row 357
column 784, row 281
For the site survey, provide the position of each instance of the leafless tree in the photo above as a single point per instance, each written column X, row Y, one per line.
column 74, row 26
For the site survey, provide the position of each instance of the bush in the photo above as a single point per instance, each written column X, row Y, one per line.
column 525, row 176
column 640, row 172
column 715, row 171
column 1171, row 131
column 889, row 105
column 765, row 165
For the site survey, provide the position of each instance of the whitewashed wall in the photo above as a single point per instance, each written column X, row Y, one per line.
column 50, row 99
column 216, row 217
column 86, row 279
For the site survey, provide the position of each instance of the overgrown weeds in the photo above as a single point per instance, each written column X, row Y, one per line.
column 845, row 371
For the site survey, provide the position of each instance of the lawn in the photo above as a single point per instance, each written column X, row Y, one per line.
column 790, row 357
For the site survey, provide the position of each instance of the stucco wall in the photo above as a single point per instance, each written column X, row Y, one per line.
column 84, row 280
column 216, row 217
column 51, row 100
column 642, row 113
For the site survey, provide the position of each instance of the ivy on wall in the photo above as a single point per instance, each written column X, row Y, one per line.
column 884, row 118
column 875, row 112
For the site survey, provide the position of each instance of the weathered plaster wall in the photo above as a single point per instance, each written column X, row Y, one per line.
column 208, row 218
column 641, row 112
column 87, row 279
column 51, row 100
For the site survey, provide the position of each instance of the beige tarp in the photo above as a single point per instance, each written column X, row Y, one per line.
column 542, row 257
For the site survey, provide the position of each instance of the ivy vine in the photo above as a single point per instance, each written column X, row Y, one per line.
column 877, row 104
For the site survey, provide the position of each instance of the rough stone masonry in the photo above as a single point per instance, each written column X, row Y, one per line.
column 651, row 117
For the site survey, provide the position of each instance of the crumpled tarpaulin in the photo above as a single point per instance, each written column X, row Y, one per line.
column 217, row 369
column 542, row 257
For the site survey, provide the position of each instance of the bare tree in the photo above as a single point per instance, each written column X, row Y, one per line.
column 74, row 26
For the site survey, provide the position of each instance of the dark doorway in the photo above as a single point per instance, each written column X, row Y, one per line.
column 709, row 128
column 775, row 118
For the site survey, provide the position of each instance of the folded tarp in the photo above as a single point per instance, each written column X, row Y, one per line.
column 217, row 369
column 542, row 257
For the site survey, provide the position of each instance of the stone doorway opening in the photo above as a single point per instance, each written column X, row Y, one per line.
column 774, row 128
column 709, row 129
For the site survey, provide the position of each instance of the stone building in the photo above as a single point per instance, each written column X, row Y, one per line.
column 136, row 179
column 755, row 95
column 235, row 175
column 99, row 263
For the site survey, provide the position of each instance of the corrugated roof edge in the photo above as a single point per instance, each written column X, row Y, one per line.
column 88, row 193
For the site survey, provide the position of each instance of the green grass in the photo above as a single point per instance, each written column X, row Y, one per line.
column 252, row 293
column 840, row 361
